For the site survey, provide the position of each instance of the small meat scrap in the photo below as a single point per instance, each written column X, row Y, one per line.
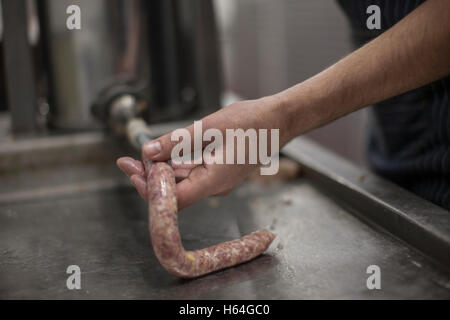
column 213, row 203
column 288, row 170
column 286, row 200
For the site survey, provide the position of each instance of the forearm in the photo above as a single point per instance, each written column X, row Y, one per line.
column 414, row 52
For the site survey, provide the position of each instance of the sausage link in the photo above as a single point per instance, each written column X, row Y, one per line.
column 166, row 238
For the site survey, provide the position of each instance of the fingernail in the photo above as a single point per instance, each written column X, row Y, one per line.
column 152, row 149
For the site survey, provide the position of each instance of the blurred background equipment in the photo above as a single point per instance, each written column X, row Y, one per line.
column 164, row 53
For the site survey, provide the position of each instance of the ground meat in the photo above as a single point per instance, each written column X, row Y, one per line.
column 166, row 238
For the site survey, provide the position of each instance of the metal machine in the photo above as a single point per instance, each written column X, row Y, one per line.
column 160, row 56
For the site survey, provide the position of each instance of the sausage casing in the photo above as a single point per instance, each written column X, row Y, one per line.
column 165, row 235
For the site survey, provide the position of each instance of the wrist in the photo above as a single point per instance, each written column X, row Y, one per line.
column 281, row 116
column 305, row 106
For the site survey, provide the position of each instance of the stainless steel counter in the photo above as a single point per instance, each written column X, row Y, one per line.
column 65, row 203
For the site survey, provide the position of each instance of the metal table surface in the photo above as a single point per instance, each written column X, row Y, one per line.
column 82, row 211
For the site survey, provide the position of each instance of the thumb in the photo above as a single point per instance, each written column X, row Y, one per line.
column 160, row 149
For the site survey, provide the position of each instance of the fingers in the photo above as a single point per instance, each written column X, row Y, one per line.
column 160, row 149
column 135, row 171
column 131, row 166
column 181, row 174
column 190, row 190
column 193, row 181
column 176, row 166
column 194, row 188
column 140, row 184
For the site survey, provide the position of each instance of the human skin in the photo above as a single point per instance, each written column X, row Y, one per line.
column 413, row 53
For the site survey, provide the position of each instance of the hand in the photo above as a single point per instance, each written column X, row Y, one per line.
column 195, row 182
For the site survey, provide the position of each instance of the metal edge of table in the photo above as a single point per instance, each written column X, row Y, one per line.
column 414, row 220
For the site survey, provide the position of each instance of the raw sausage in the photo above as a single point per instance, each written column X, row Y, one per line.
column 166, row 238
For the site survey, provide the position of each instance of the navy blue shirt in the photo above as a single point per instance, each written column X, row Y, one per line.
column 409, row 134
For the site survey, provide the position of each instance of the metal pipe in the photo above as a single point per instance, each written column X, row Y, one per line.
column 20, row 84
